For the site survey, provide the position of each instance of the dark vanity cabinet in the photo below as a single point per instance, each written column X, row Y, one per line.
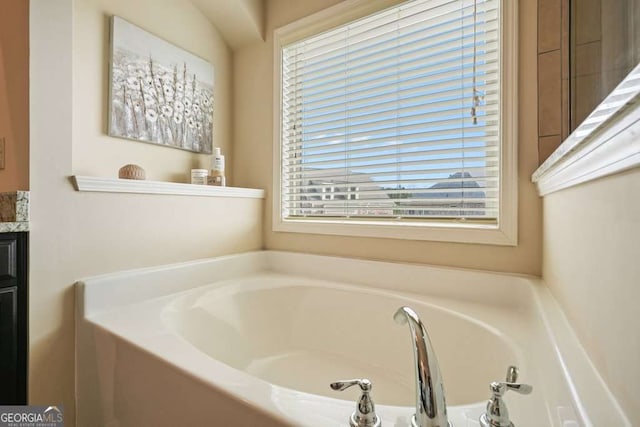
column 13, row 318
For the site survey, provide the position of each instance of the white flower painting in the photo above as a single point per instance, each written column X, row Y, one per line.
column 159, row 93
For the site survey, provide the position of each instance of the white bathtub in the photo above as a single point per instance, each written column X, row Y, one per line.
column 255, row 340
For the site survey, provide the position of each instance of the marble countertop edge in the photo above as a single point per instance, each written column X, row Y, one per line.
column 14, row 227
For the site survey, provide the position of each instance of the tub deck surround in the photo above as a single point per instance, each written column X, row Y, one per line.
column 14, row 211
column 256, row 338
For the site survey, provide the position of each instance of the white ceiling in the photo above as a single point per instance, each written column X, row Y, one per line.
column 239, row 22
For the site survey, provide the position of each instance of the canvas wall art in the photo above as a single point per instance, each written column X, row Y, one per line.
column 159, row 93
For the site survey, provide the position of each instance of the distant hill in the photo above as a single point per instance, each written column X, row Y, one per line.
column 452, row 185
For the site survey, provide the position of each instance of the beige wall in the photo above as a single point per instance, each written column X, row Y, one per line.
column 591, row 235
column 253, row 107
column 14, row 93
column 75, row 234
column 179, row 22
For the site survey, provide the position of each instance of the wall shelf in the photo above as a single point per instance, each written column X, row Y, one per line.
column 611, row 149
column 605, row 143
column 116, row 185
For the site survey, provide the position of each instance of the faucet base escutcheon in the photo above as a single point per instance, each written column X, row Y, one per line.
column 414, row 423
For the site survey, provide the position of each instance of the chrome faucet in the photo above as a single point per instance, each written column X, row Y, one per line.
column 365, row 413
column 431, row 408
column 497, row 414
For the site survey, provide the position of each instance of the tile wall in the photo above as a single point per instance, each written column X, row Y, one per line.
column 553, row 75
column 605, row 47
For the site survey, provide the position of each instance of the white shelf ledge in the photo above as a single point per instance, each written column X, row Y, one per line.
column 607, row 142
column 612, row 149
column 115, row 185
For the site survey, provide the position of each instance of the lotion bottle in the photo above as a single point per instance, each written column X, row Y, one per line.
column 217, row 169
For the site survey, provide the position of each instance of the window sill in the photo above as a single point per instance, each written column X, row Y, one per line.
column 115, row 185
column 439, row 232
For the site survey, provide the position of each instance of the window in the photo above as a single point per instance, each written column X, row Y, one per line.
column 396, row 124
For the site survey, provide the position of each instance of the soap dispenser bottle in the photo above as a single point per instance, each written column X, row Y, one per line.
column 217, row 169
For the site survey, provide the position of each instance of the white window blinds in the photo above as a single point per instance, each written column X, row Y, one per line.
column 395, row 116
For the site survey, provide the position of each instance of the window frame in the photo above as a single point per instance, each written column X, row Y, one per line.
column 502, row 233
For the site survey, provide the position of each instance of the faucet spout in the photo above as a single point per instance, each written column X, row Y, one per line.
column 431, row 408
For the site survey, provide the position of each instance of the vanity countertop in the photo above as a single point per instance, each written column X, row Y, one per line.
column 14, row 211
